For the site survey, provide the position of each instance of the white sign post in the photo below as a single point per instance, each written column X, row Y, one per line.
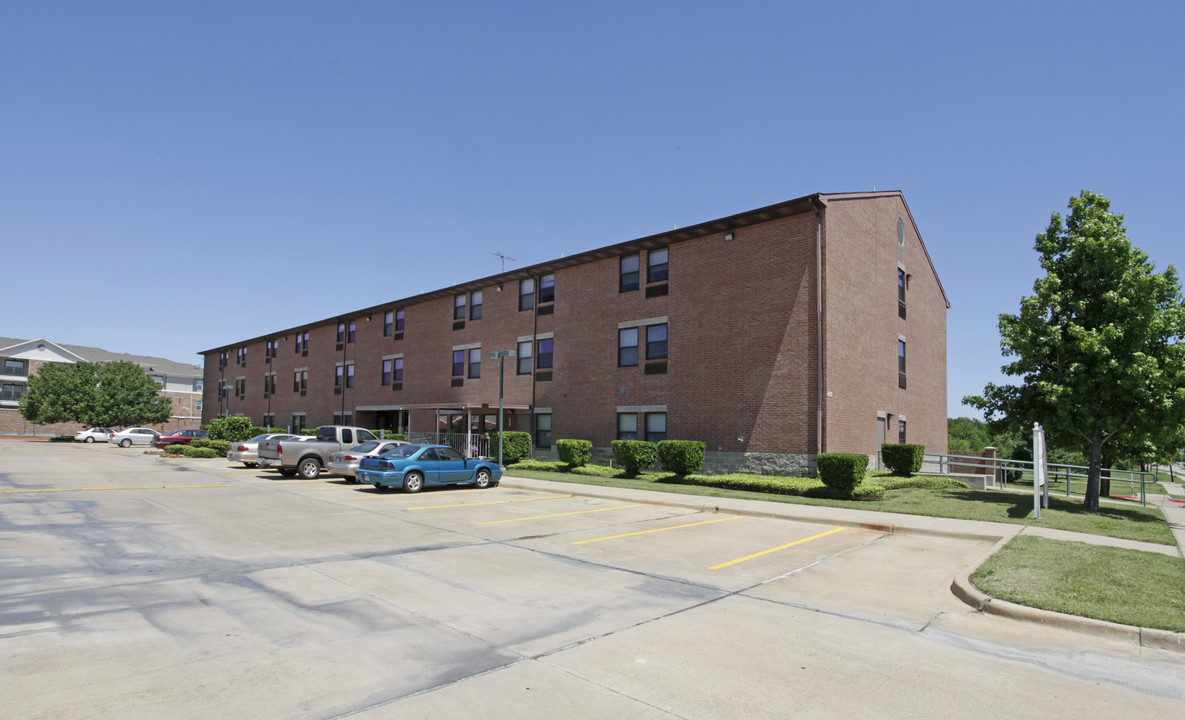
column 1040, row 472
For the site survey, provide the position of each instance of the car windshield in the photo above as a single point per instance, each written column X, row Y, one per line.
column 403, row 451
column 365, row 447
column 259, row 438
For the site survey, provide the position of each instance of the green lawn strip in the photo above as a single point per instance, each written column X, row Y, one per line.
column 1115, row 584
column 1132, row 522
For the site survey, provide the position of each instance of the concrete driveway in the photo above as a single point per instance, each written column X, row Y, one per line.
column 133, row 586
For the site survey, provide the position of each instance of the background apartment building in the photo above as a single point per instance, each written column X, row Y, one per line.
column 180, row 382
column 813, row 325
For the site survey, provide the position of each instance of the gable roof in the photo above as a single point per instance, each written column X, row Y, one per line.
column 159, row 365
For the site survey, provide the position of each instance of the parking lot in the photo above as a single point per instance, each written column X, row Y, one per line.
column 137, row 586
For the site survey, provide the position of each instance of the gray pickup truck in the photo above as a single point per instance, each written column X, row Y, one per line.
column 307, row 457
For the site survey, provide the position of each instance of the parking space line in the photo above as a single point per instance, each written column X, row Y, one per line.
column 488, row 502
column 780, row 547
column 664, row 529
column 128, row 487
column 578, row 512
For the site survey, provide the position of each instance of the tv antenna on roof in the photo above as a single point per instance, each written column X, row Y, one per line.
column 503, row 257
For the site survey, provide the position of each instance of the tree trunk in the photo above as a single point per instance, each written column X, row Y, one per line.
column 1091, row 501
column 1109, row 461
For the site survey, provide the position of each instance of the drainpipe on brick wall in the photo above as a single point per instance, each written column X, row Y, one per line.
column 820, row 437
column 534, row 350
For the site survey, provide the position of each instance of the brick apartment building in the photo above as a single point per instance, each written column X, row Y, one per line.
column 180, row 382
column 814, row 325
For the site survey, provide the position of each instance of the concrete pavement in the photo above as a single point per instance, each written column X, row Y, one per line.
column 961, row 586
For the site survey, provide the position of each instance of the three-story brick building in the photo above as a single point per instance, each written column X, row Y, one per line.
column 813, row 325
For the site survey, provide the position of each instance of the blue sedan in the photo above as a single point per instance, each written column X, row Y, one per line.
column 411, row 467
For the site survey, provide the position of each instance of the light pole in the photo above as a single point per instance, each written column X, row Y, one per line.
column 501, row 355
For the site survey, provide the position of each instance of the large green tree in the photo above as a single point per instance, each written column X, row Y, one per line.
column 1097, row 347
column 116, row 394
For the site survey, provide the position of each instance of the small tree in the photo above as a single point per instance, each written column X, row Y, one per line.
column 682, row 457
column 1097, row 346
column 576, row 453
column 117, row 394
column 633, row 455
column 902, row 459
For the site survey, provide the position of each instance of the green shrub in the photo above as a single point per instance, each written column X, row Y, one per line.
column 842, row 472
column 574, row 453
column 634, row 455
column 903, row 459
column 222, row 447
column 515, row 446
column 682, row 457
column 200, row 452
column 175, row 449
column 234, row 429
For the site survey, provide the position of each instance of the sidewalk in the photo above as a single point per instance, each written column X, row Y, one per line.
column 998, row 533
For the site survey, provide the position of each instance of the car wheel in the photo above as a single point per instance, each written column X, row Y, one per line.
column 309, row 468
column 89, row 439
column 126, row 442
column 413, row 483
column 483, row 478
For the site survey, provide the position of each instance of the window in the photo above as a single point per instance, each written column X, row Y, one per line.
column 475, row 362
column 269, row 383
column 12, row 391
column 656, row 265
column 350, row 375
column 543, row 430
column 388, row 324
column 197, row 406
column 240, row 387
column 543, row 359
column 627, row 426
column 629, row 273
column 901, row 363
column 353, row 332
column 459, row 307
column 656, row 342
column 300, row 381
column 547, row 288
column 341, row 332
column 242, row 355
column 902, row 280
column 388, row 368
column 656, row 427
column 199, row 385
column 526, row 294
column 627, row 347
column 158, row 379
column 524, row 358
column 223, row 359
column 458, row 363
column 339, row 376
column 398, row 370
column 901, row 431
column 16, row 367
column 273, row 346
column 475, row 305
column 269, row 420
column 298, row 423
column 399, row 320
column 302, row 343
column 344, row 376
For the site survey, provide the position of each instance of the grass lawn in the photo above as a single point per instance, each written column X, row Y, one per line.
column 1132, row 522
column 1122, row 586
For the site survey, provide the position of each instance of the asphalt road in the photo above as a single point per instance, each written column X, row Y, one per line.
column 132, row 586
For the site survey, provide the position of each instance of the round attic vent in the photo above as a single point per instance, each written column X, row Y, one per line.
column 900, row 232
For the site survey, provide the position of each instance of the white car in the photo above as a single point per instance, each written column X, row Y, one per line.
column 343, row 464
column 134, row 436
column 90, row 435
column 247, row 451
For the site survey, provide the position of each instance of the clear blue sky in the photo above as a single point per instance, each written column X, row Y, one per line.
column 163, row 164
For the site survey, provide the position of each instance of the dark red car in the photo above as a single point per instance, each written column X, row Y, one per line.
column 178, row 437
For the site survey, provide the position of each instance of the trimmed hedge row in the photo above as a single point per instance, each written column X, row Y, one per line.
column 903, row 459
column 192, row 452
column 842, row 472
column 574, row 453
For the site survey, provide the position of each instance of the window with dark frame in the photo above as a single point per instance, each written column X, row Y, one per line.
column 19, row 367
column 300, row 380
column 341, row 332
column 524, row 358
column 388, row 324
column 656, row 342
column 398, row 370
column 657, row 265
column 350, row 375
column 458, row 363
column 388, row 366
column 901, row 363
column 399, row 317
column 627, row 347
column 475, row 363
column 901, row 432
column 902, row 280
column 339, row 375
column 629, row 273
column 526, row 294
column 544, row 357
column 475, row 299
column 543, row 430
column 547, row 288
column 656, row 427
column 459, row 307
column 627, row 426
column 353, row 332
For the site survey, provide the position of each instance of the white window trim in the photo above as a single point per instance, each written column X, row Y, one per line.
column 642, row 323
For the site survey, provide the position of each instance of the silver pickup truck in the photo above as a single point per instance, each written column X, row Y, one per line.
column 307, row 457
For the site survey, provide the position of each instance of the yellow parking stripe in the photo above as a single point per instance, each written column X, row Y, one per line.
column 489, row 502
column 578, row 512
column 128, row 487
column 664, row 529
column 780, row 547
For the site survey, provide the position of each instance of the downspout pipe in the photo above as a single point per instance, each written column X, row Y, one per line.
column 820, row 336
